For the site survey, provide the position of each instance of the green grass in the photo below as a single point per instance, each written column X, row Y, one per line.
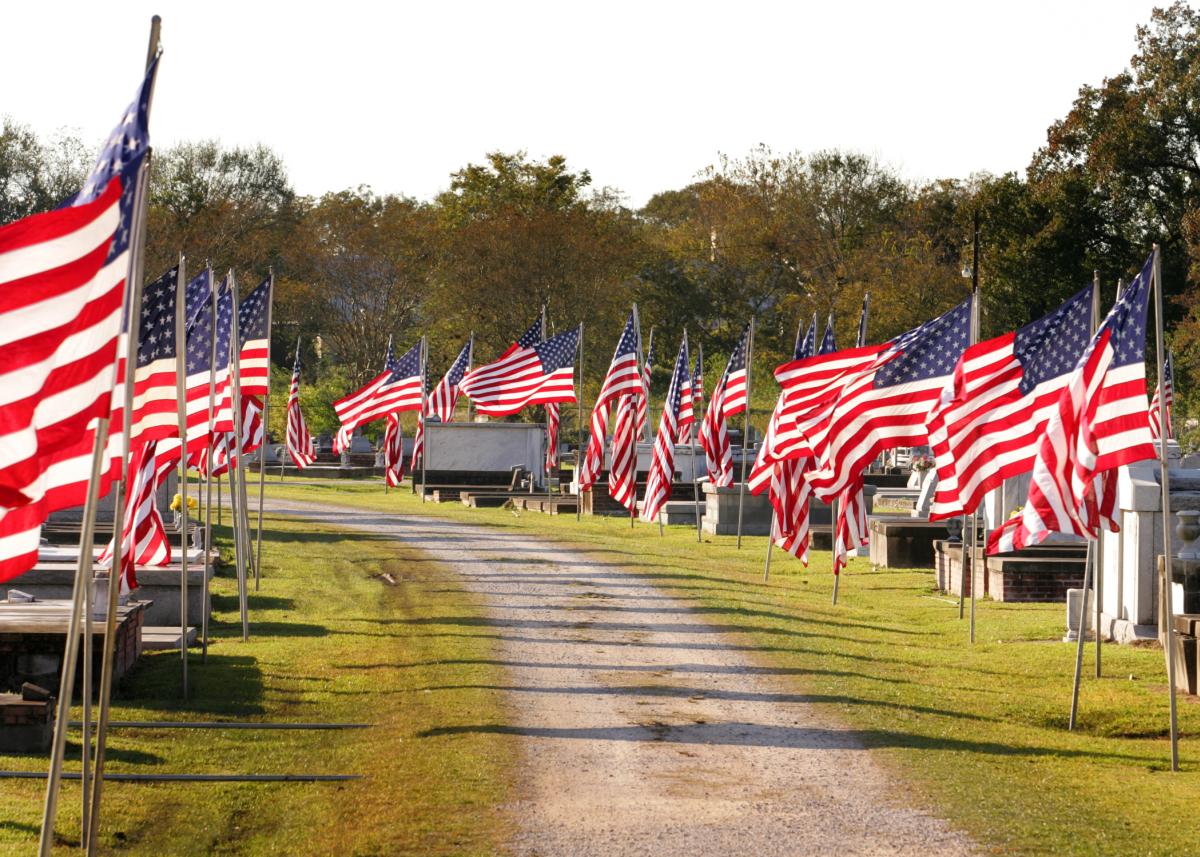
column 328, row 643
column 978, row 733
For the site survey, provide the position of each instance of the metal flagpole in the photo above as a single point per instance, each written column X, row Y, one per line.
column 1098, row 557
column 262, row 450
column 1082, row 631
column 470, row 366
column 637, row 322
column 236, row 474
column 745, row 432
column 220, row 502
column 770, row 544
column 134, row 291
column 647, row 435
column 82, row 584
column 424, row 413
column 181, row 410
column 969, row 564
column 546, row 460
column 833, row 511
column 696, row 420
column 1167, row 581
column 579, row 432
column 208, row 461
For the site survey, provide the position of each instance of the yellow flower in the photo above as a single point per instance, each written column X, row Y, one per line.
column 177, row 503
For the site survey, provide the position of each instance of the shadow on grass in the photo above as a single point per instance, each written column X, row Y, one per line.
column 227, row 684
column 743, row 734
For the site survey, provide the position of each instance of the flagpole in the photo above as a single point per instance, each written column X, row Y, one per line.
column 696, row 417
column 287, row 417
column 236, row 476
column 546, row 460
column 770, row 544
column 470, row 366
column 208, row 460
column 262, row 449
column 1098, row 580
column 181, row 410
column 1164, row 474
column 637, row 321
column 424, row 415
column 579, row 432
column 646, row 435
column 134, row 290
column 745, row 431
column 969, row 565
column 837, row 574
column 82, row 584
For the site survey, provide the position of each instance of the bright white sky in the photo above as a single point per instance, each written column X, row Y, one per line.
column 644, row 94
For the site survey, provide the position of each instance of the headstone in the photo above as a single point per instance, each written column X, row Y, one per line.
column 928, row 486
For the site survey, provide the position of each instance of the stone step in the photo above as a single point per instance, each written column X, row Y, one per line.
column 159, row 637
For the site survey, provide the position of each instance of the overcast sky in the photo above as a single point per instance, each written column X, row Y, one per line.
column 644, row 94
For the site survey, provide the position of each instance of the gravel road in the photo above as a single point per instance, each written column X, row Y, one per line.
column 644, row 730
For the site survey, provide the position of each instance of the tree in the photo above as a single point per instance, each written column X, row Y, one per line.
column 37, row 175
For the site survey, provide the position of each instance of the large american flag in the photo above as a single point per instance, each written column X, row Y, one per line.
column 693, row 398
column 155, row 381
column 1098, row 424
column 442, row 401
column 988, row 425
column 66, row 277
column 299, row 442
column 662, row 465
column 1169, row 386
column 728, row 399
column 885, row 404
column 622, row 470
column 198, row 312
column 254, row 334
column 622, row 379
column 223, row 334
column 399, row 387
column 553, row 421
column 538, row 374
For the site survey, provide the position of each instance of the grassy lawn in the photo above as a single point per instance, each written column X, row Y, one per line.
column 325, row 646
column 978, row 731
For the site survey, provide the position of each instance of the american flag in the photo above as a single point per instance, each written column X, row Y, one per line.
column 806, row 346
column 1169, row 385
column 155, row 382
column 1099, row 423
column 399, row 387
column 828, row 341
column 622, row 379
column 299, row 442
column 643, row 400
column 443, row 399
column 393, row 451
column 254, row 333
column 538, row 374
column 885, row 404
column 851, row 527
column 224, row 447
column 693, row 400
column 790, row 495
column 143, row 537
column 714, row 431
column 553, row 420
column 66, row 277
column 989, row 423
column 224, row 334
column 662, row 465
column 622, row 471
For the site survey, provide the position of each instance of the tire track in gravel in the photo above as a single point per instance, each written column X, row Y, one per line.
column 642, row 730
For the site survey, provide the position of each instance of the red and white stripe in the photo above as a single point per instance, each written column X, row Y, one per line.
column 143, row 536
column 714, row 439
column 662, row 464
column 553, row 420
column 622, row 470
column 790, row 496
column 623, row 379
column 393, row 451
column 850, row 530
column 378, row 398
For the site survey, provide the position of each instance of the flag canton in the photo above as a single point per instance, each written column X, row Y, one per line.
column 649, row 363
column 408, row 366
column 122, row 155
column 1126, row 321
column 197, row 300
column 808, row 345
column 1051, row 346
column 737, row 360
column 828, row 342
column 459, row 367
column 627, row 344
column 156, row 331
column 929, row 351
column 1168, row 376
column 252, row 313
column 558, row 351
column 224, row 331
column 533, row 336
column 862, row 322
